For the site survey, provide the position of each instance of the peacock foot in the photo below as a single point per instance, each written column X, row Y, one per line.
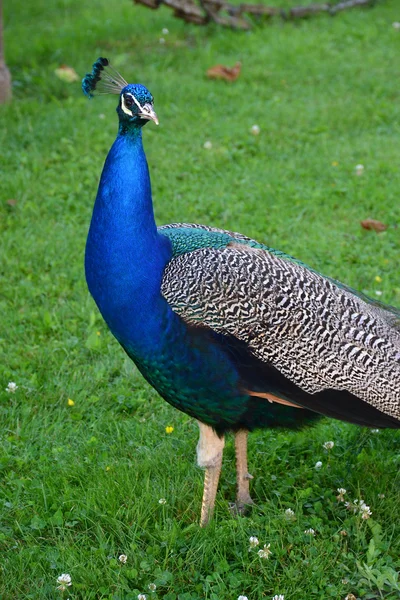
column 243, row 499
column 241, row 507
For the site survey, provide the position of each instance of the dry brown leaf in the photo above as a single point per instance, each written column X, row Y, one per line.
column 223, row 72
column 373, row 225
column 66, row 73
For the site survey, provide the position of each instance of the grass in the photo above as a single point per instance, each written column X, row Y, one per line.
column 81, row 484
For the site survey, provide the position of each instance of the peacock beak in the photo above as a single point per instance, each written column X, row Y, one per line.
column 147, row 112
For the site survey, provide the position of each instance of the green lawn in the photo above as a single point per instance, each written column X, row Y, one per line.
column 80, row 485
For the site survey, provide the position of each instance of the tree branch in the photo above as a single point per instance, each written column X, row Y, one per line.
column 205, row 11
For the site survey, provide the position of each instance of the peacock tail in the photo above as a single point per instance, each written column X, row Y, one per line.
column 319, row 335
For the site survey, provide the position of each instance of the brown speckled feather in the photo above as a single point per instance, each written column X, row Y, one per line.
column 316, row 333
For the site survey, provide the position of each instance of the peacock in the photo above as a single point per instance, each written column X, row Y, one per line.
column 228, row 330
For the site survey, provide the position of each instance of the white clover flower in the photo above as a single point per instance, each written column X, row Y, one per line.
column 65, row 581
column 328, row 445
column 162, row 501
column 381, row 496
column 165, row 31
column 396, row 25
column 342, row 492
column 310, row 531
column 359, row 169
column 11, row 387
column 102, row 116
column 122, row 558
column 365, row 511
column 345, row 581
column 162, row 41
column 152, row 587
column 359, row 506
column 255, row 130
column 242, row 598
column 207, row 145
column 375, row 430
column 265, row 552
column 279, row 597
column 141, row 597
column 289, row 514
column 318, row 465
column 352, row 506
column 253, row 541
column 378, row 292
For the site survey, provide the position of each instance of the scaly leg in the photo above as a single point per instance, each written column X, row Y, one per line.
column 243, row 476
column 209, row 455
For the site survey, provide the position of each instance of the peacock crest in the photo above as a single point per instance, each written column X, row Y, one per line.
column 103, row 79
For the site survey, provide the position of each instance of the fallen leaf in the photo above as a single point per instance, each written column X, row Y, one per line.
column 373, row 225
column 223, row 72
column 66, row 73
column 11, row 202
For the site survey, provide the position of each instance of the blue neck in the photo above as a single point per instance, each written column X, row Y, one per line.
column 125, row 256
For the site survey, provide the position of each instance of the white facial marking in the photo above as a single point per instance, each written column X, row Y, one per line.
column 125, row 108
column 136, row 102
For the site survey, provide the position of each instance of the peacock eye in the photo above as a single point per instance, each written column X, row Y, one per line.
column 128, row 101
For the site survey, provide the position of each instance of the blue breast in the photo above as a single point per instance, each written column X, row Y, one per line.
column 125, row 255
column 124, row 263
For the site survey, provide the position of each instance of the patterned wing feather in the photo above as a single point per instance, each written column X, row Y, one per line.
column 317, row 333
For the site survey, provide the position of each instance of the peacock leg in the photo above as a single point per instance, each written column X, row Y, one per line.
column 243, row 476
column 209, row 456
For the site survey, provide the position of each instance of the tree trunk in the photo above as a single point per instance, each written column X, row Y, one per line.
column 5, row 78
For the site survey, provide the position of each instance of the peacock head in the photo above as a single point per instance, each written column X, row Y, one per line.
column 135, row 106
